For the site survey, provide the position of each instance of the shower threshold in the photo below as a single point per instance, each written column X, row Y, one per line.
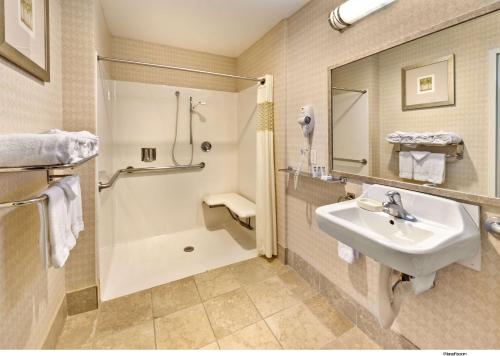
column 138, row 265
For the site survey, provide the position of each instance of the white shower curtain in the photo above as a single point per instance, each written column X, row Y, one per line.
column 265, row 193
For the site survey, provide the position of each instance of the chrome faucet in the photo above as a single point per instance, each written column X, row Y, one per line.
column 394, row 206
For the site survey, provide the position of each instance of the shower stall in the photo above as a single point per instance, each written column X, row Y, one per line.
column 163, row 149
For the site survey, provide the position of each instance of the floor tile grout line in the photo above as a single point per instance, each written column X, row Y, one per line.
column 245, row 326
column 153, row 318
column 206, row 314
column 265, row 322
column 200, row 301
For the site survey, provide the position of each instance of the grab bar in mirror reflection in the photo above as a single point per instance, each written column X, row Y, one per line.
column 353, row 90
column 492, row 225
column 360, row 161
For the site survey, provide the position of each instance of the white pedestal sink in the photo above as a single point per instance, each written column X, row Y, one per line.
column 444, row 233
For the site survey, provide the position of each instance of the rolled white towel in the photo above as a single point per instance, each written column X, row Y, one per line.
column 423, row 138
column 35, row 149
column 87, row 143
column 409, row 137
column 54, row 147
column 446, row 138
column 393, row 137
column 347, row 253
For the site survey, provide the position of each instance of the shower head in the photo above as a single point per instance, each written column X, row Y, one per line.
column 200, row 102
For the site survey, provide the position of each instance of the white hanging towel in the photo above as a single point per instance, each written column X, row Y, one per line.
column 60, row 235
column 405, row 165
column 71, row 187
column 347, row 253
column 429, row 167
column 43, row 235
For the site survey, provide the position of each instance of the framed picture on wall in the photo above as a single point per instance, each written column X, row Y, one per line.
column 428, row 85
column 24, row 35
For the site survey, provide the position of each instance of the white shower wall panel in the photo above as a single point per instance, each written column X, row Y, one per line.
column 144, row 116
column 247, row 142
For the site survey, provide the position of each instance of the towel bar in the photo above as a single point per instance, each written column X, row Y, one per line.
column 16, row 203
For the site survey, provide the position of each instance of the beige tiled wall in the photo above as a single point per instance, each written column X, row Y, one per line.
column 79, row 113
column 160, row 54
column 29, row 297
column 463, row 310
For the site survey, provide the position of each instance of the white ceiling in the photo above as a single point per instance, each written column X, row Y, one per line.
column 225, row 27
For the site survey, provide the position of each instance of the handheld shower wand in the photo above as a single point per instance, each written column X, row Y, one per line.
column 191, row 111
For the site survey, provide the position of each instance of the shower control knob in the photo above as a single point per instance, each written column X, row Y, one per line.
column 206, row 146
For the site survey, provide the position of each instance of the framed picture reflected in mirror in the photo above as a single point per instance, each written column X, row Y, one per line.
column 428, row 85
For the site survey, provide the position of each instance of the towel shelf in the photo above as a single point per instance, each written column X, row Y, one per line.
column 133, row 170
column 47, row 167
column 459, row 148
column 50, row 177
column 339, row 180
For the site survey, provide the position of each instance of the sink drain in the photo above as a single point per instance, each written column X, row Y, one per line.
column 188, row 249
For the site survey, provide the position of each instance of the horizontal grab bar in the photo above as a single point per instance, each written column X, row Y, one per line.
column 132, row 170
column 362, row 161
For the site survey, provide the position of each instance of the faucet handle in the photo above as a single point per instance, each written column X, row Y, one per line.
column 393, row 197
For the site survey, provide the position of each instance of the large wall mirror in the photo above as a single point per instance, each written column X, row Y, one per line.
column 424, row 112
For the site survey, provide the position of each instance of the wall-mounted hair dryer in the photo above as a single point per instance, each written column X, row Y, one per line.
column 306, row 120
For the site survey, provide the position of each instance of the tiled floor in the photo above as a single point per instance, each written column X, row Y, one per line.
column 255, row 304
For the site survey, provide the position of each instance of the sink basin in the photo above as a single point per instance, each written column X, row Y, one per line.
column 443, row 233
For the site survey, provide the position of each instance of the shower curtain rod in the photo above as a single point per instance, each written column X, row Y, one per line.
column 155, row 65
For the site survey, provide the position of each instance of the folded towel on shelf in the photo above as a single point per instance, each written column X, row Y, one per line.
column 86, row 143
column 405, row 165
column 347, row 253
column 51, row 148
column 71, row 187
column 61, row 237
column 446, row 138
column 429, row 167
column 423, row 138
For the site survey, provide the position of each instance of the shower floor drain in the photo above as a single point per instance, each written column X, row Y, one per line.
column 188, row 249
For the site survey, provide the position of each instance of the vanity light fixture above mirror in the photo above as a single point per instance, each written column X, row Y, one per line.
column 352, row 11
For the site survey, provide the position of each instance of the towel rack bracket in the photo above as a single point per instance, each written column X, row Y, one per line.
column 459, row 148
